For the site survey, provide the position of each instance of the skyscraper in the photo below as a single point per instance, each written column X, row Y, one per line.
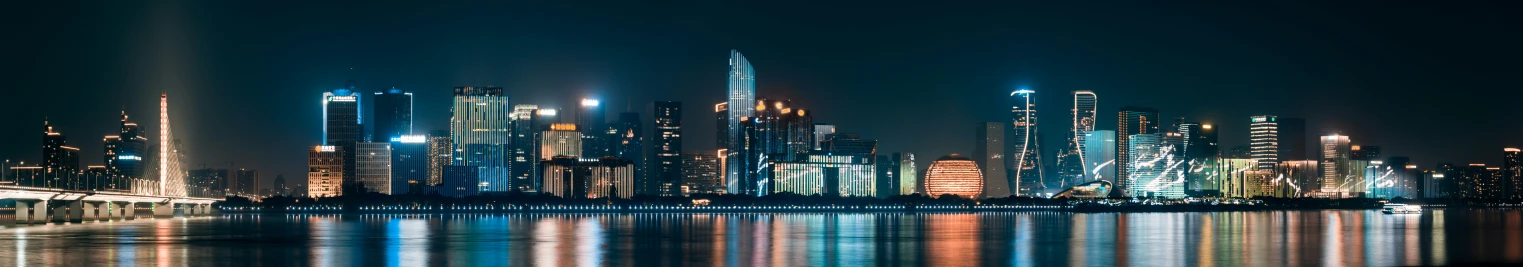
column 1100, row 156
column 373, row 166
column 481, row 129
column 1336, row 170
column 127, row 152
column 1264, row 141
column 989, row 153
column 325, row 171
column 57, row 156
column 1201, row 151
column 1132, row 121
column 629, row 144
column 1025, row 159
column 281, row 188
column 909, row 176
column 1512, row 173
column 561, row 140
column 341, row 128
column 590, row 119
column 524, row 153
column 440, row 154
column 722, row 140
column 409, row 163
column 392, row 113
column 1071, row 161
column 247, row 181
column 888, row 175
column 700, row 172
column 668, row 162
column 742, row 96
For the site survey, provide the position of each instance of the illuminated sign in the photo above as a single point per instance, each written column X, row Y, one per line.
column 342, row 98
column 547, row 112
column 128, row 157
column 410, row 139
column 327, row 149
column 590, row 102
column 563, row 127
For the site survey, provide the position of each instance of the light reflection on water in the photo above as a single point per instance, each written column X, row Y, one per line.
column 1280, row 238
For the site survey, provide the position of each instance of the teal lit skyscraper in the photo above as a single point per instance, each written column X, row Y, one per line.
column 742, row 101
column 481, row 130
column 1025, row 153
column 1132, row 121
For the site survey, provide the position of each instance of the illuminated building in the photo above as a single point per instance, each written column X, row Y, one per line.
column 1094, row 189
column 668, row 174
column 1335, row 165
column 1200, row 154
column 700, row 172
column 781, row 133
column 887, row 181
column 391, row 111
column 1298, row 177
column 215, row 183
column 481, row 128
column 1512, row 173
column 1240, row 177
column 1364, row 153
column 372, row 166
column 56, row 155
column 1404, row 176
column 1381, row 180
column 1071, row 163
column 440, row 154
column 830, row 175
column 909, row 176
column 956, row 175
column 629, row 145
column 127, row 152
column 574, row 178
column 1435, row 183
column 820, row 132
column 1263, row 138
column 561, row 140
column 325, row 171
column 849, row 144
column 590, row 119
column 460, row 181
column 1477, row 181
column 1155, row 171
column 742, row 93
column 409, row 163
column 1024, row 161
column 1132, row 121
column 529, row 124
column 989, row 152
column 247, row 180
column 1100, row 155
column 341, row 124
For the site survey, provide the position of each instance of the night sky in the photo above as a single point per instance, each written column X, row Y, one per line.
column 1436, row 82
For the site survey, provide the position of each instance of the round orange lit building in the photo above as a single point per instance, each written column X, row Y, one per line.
column 954, row 174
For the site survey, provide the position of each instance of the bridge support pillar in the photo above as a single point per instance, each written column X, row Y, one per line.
column 130, row 212
column 87, row 211
column 76, row 211
column 206, row 209
column 39, row 212
column 163, row 210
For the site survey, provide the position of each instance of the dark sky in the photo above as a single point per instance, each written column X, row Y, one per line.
column 1434, row 81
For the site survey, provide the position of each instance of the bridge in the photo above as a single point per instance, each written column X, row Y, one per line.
column 48, row 195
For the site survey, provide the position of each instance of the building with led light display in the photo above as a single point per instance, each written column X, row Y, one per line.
column 574, row 178
column 826, row 175
column 956, row 175
column 481, row 129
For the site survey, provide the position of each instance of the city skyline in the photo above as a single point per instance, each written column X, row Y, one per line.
column 786, row 71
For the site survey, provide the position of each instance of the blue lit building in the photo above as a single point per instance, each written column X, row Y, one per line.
column 481, row 128
column 742, row 96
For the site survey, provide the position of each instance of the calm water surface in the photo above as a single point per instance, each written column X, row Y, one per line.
column 1280, row 238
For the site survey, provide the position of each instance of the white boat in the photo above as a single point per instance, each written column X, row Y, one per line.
column 1401, row 209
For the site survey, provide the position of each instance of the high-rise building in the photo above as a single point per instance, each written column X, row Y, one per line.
column 1024, row 161
column 820, row 132
column 1364, row 152
column 392, row 114
column 849, row 144
column 1512, row 173
column 1301, row 176
column 561, row 140
column 887, row 182
column 667, row 173
column 524, row 151
column 281, row 188
column 989, row 153
column 742, row 94
column 1336, row 165
column 1071, row 161
column 1153, row 171
column 1200, row 151
column 954, row 174
column 460, row 181
column 590, row 119
column 1100, row 156
column 1264, row 140
column 574, row 178
column 127, row 152
column 341, row 124
column 216, row 183
column 409, row 163
column 325, row 171
column 700, row 173
column 481, row 129
column 248, row 181
column 56, row 155
column 1132, row 121
column 373, row 166
column 831, row 175
column 440, row 154
column 909, row 176
column 722, row 140
column 629, row 144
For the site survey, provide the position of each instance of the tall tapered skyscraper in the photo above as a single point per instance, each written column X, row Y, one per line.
column 481, row 128
column 1025, row 153
column 742, row 96
column 392, row 114
column 1071, row 162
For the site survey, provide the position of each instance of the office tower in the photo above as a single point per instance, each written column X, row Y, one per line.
column 667, row 172
column 1335, row 165
column 1435, row 183
column 440, row 153
column 216, row 183
column 248, row 181
column 954, row 174
column 524, row 151
column 825, row 174
column 56, row 155
column 460, row 181
column 590, row 120
column 573, row 178
column 325, row 171
column 849, row 144
column 127, row 152
column 1364, row 152
column 1132, row 121
column 281, row 188
column 1200, row 150
column 409, row 163
column 722, row 139
column 909, row 176
column 341, row 124
column 1404, row 175
column 561, row 140
column 1153, row 172
column 742, row 94
column 820, row 132
column 1100, row 156
column 1264, row 140
column 1291, row 133
column 700, row 173
column 989, row 152
column 748, row 170
column 1071, row 169
column 1512, row 173
column 887, row 181
column 629, row 145
column 392, row 113
column 1476, row 181
column 1024, row 161
column 481, row 129
column 1300, row 176
column 373, row 166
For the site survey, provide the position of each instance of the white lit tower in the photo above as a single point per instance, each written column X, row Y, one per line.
column 1025, row 158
